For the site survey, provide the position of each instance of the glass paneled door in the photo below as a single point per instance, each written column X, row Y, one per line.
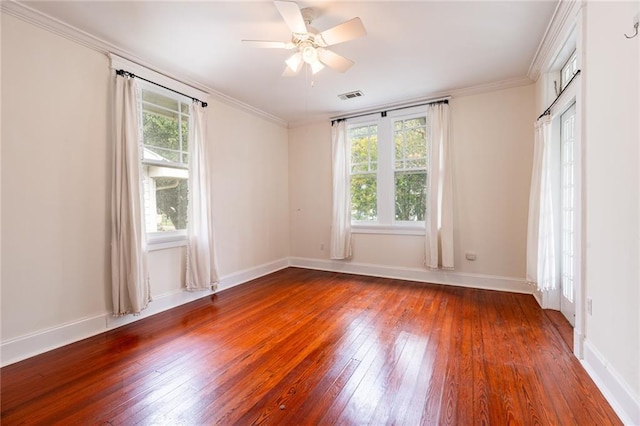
column 567, row 214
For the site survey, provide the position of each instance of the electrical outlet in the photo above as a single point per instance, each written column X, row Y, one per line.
column 471, row 256
column 321, row 246
column 590, row 306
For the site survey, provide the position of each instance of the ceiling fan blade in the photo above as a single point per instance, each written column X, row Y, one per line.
column 292, row 16
column 334, row 61
column 288, row 72
column 346, row 31
column 295, row 62
column 269, row 44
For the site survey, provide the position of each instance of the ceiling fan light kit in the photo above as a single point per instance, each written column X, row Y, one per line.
column 311, row 45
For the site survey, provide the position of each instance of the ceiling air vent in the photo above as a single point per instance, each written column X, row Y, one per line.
column 351, row 95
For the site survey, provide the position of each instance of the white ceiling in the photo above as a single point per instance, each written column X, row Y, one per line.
column 413, row 49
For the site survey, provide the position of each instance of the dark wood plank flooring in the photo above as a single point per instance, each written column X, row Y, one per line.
column 310, row 347
column 562, row 325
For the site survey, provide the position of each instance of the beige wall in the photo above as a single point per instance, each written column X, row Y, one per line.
column 310, row 189
column 492, row 141
column 612, row 162
column 56, row 186
column 493, row 152
column 250, row 181
column 54, row 180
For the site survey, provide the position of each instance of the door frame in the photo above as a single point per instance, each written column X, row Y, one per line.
column 551, row 299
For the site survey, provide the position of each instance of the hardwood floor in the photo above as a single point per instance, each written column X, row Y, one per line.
column 562, row 325
column 310, row 347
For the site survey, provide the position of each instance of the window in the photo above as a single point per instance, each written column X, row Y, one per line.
column 410, row 171
column 165, row 160
column 389, row 169
column 568, row 70
column 364, row 171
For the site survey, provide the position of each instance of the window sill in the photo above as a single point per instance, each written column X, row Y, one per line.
column 162, row 242
column 387, row 229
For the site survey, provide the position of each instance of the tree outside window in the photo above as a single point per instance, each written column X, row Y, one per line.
column 389, row 177
column 165, row 135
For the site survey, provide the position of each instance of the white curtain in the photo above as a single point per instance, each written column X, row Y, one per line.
column 341, row 213
column 541, row 263
column 129, row 275
column 439, row 209
column 201, row 260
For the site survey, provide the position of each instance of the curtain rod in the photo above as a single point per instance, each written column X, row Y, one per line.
column 132, row 75
column 548, row 110
column 384, row 112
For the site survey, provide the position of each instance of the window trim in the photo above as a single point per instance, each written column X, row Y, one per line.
column 368, row 228
column 160, row 241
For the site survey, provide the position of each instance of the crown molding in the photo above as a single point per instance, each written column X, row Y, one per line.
column 456, row 93
column 559, row 28
column 55, row 26
column 491, row 87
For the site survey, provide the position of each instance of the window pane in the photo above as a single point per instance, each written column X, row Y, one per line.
column 171, row 203
column 568, row 70
column 165, row 198
column 410, row 144
column 359, row 151
column 373, row 151
column 364, row 205
column 364, row 164
column 160, row 130
column 364, row 149
column 416, row 143
column 410, row 195
column 165, row 127
column 415, row 122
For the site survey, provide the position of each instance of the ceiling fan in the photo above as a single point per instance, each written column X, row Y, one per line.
column 311, row 45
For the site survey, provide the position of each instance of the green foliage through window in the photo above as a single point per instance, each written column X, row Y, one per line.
column 411, row 195
column 165, row 136
column 364, row 165
column 404, row 176
column 410, row 146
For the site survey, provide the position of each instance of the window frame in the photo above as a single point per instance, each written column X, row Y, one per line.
column 403, row 117
column 163, row 239
column 385, row 196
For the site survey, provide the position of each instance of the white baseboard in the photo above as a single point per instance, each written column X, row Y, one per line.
column 460, row 279
column 245, row 275
column 619, row 395
column 32, row 344
column 23, row 347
